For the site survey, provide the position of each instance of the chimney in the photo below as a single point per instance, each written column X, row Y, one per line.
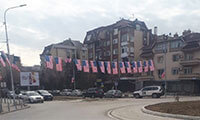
column 155, row 30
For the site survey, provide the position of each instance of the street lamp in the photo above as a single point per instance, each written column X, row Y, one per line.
column 8, row 49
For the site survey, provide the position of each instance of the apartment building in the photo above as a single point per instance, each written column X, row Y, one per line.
column 51, row 79
column 177, row 62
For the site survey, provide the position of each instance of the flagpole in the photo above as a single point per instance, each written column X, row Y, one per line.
column 165, row 51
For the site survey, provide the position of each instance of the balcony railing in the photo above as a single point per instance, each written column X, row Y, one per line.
column 190, row 76
column 195, row 61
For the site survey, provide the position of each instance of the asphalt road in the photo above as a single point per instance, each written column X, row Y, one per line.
column 85, row 110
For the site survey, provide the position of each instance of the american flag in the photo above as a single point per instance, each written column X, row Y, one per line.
column 78, row 64
column 107, row 65
column 14, row 66
column 85, row 66
column 128, row 67
column 163, row 74
column 73, row 80
column 2, row 62
column 5, row 58
column 58, row 61
column 146, row 67
column 94, row 66
column 114, row 68
column 101, row 65
column 139, row 65
column 49, row 62
column 68, row 60
column 151, row 65
column 134, row 65
column 122, row 67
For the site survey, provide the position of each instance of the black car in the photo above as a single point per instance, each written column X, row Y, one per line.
column 93, row 92
column 46, row 95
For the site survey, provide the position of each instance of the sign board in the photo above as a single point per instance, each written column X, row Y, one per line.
column 29, row 79
column 3, row 84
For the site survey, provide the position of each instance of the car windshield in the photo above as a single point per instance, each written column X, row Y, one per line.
column 32, row 94
column 43, row 92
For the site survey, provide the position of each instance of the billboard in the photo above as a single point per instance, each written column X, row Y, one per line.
column 29, row 79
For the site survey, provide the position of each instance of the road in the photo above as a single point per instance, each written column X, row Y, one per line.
column 86, row 110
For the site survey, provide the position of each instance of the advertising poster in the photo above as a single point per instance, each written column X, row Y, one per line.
column 29, row 79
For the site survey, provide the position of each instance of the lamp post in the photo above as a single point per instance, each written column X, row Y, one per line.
column 8, row 49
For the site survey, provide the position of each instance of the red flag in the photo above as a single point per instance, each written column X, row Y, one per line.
column 114, row 68
column 85, row 66
column 49, row 62
column 2, row 62
column 94, row 66
column 134, row 65
column 58, row 61
column 146, row 67
column 122, row 67
column 68, row 60
column 101, row 65
column 108, row 68
column 128, row 67
column 78, row 64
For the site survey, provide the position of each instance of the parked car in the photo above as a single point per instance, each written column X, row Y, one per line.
column 32, row 97
column 11, row 94
column 113, row 94
column 76, row 92
column 54, row 92
column 94, row 92
column 46, row 95
column 153, row 91
column 66, row 92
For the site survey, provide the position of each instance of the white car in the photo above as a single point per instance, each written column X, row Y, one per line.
column 153, row 91
column 32, row 97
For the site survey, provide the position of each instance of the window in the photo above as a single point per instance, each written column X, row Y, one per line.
column 89, row 37
column 175, row 57
column 115, row 31
column 124, row 49
column 115, row 41
column 115, row 51
column 188, row 57
column 176, row 44
column 107, row 53
column 124, row 38
column 188, row 70
column 108, row 43
column 137, row 27
column 90, row 55
column 160, row 72
column 161, row 47
column 131, row 38
column 131, row 49
column 105, row 43
column 175, row 71
column 160, row 59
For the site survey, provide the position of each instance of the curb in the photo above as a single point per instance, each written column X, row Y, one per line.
column 116, row 117
column 15, row 110
column 184, row 117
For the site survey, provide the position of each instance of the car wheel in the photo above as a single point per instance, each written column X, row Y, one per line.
column 42, row 101
column 137, row 96
column 154, row 95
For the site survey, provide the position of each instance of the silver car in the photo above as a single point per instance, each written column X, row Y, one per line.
column 32, row 97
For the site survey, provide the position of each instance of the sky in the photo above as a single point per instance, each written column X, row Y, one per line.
column 44, row 22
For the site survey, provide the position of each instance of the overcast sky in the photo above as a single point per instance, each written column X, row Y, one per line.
column 43, row 22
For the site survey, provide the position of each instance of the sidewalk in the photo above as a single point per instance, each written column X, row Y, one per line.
column 8, row 106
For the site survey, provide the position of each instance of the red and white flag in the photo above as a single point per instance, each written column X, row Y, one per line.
column 58, row 61
column 128, row 67
column 108, row 68
column 14, row 66
column 151, row 65
column 49, row 62
column 78, row 64
column 73, row 80
column 85, row 66
column 68, row 60
column 101, row 65
column 134, row 65
column 122, row 67
column 114, row 68
column 2, row 62
column 139, row 65
column 146, row 67
column 5, row 58
column 94, row 66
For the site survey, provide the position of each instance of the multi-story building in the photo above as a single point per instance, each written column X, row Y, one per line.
column 177, row 62
column 51, row 79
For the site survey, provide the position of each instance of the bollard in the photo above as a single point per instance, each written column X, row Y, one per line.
column 21, row 103
column 1, row 108
column 8, row 106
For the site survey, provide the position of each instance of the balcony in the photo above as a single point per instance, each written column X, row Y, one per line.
column 192, row 62
column 191, row 46
column 123, row 55
column 124, row 43
column 193, row 76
